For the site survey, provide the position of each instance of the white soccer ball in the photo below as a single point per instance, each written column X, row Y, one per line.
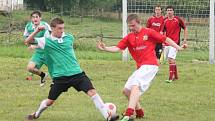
column 111, row 108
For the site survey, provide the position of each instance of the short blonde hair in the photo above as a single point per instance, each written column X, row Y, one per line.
column 133, row 17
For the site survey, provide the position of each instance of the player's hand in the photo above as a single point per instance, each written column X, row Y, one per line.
column 184, row 46
column 100, row 45
column 32, row 47
column 40, row 28
column 180, row 48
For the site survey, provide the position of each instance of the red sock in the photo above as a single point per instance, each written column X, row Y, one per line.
column 171, row 71
column 139, row 113
column 175, row 72
column 129, row 112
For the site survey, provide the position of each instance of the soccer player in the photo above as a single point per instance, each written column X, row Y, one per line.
column 172, row 29
column 37, row 59
column 156, row 22
column 64, row 69
column 141, row 44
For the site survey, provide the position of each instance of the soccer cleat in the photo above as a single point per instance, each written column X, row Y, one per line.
column 168, row 81
column 43, row 81
column 127, row 118
column 113, row 118
column 139, row 113
column 31, row 117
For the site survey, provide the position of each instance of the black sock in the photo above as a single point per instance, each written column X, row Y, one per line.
column 42, row 74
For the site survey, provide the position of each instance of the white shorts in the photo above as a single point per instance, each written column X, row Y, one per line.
column 170, row 52
column 142, row 77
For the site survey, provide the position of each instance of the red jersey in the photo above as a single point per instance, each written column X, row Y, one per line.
column 172, row 27
column 155, row 23
column 142, row 46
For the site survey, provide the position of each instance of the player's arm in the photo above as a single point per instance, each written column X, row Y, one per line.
column 101, row 46
column 173, row 44
column 182, row 25
column 30, row 38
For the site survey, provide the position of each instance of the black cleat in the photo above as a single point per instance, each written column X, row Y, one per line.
column 43, row 80
column 31, row 117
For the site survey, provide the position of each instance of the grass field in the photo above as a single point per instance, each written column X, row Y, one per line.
column 189, row 99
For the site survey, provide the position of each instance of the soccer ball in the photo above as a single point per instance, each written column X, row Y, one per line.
column 111, row 108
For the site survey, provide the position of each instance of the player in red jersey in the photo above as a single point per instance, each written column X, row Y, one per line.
column 141, row 44
column 156, row 22
column 172, row 28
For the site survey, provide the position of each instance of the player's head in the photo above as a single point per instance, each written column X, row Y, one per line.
column 157, row 10
column 134, row 22
column 36, row 17
column 169, row 11
column 57, row 26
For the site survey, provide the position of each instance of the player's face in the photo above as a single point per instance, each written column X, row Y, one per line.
column 169, row 12
column 133, row 26
column 58, row 30
column 35, row 19
column 158, row 10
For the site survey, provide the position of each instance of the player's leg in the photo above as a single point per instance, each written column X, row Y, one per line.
column 86, row 86
column 54, row 93
column 158, row 50
column 138, row 109
column 35, row 64
column 138, row 83
column 40, row 62
column 172, row 64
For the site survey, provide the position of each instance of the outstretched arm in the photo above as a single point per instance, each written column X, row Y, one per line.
column 173, row 44
column 101, row 46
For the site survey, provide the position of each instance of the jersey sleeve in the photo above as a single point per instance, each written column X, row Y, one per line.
column 148, row 23
column 47, row 27
column 41, row 42
column 26, row 33
column 156, row 36
column 181, row 23
column 123, row 44
column 162, row 26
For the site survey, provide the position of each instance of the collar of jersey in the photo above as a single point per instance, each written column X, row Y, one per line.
column 59, row 39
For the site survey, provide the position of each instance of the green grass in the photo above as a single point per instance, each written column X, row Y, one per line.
column 189, row 99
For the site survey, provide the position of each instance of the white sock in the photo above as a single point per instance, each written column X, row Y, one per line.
column 100, row 105
column 43, row 106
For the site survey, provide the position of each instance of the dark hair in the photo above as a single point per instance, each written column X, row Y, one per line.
column 56, row 21
column 133, row 17
column 36, row 12
column 170, row 7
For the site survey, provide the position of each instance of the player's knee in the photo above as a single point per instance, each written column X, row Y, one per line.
column 126, row 92
column 171, row 61
column 91, row 92
column 30, row 68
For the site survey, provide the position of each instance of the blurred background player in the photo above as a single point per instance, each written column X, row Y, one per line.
column 172, row 29
column 64, row 69
column 141, row 44
column 37, row 59
column 156, row 22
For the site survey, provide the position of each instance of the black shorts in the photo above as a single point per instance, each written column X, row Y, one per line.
column 158, row 50
column 61, row 84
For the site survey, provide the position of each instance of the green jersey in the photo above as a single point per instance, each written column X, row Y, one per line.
column 30, row 28
column 60, row 55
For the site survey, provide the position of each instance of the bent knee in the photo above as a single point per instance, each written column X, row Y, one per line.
column 91, row 92
column 126, row 92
